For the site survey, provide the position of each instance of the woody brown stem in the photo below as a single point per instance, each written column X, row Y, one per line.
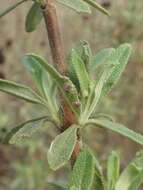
column 54, row 35
column 58, row 55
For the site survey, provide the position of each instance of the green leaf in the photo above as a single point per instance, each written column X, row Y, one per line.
column 79, row 6
column 94, row 4
column 99, row 182
column 64, row 83
column 83, row 171
column 62, row 147
column 20, row 91
column 100, row 58
column 118, row 128
column 11, row 8
column 33, row 18
column 132, row 174
column 137, row 182
column 84, row 52
column 122, row 55
column 113, row 168
column 46, row 85
column 95, row 94
column 73, row 188
column 81, row 72
column 24, row 130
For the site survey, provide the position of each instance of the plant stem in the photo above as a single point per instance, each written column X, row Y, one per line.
column 58, row 55
column 54, row 35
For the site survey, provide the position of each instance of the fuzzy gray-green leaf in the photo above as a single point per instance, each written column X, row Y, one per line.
column 33, row 18
column 81, row 72
column 62, row 147
column 131, row 173
column 77, row 5
column 83, row 171
column 25, row 129
column 64, row 83
column 117, row 128
column 100, row 58
column 20, row 91
column 137, row 182
column 96, row 5
column 113, row 167
column 122, row 55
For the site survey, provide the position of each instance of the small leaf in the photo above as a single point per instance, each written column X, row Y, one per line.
column 118, row 128
column 33, row 18
column 81, row 72
column 79, row 6
column 131, row 174
column 11, row 8
column 24, row 130
column 64, row 83
column 83, row 171
column 62, row 147
column 137, row 182
column 20, row 91
column 100, row 58
column 94, row 4
column 84, row 52
column 46, row 85
column 122, row 55
column 113, row 167
column 96, row 92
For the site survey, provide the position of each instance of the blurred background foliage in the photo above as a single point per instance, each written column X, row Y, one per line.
column 25, row 166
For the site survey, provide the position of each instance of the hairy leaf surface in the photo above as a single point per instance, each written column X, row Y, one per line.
column 83, row 172
column 77, row 5
column 23, row 131
column 131, row 174
column 62, row 147
column 113, row 167
column 20, row 91
column 64, row 83
column 118, row 128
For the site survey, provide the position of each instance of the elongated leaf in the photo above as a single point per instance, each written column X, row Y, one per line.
column 100, row 58
column 122, row 55
column 113, row 167
column 33, row 18
column 95, row 94
column 131, row 174
column 94, row 4
column 20, row 91
column 138, row 181
column 66, row 86
column 83, row 171
column 118, row 128
column 62, row 147
column 84, row 52
column 22, row 131
column 81, row 72
column 77, row 5
column 45, row 84
column 98, row 182
column 11, row 8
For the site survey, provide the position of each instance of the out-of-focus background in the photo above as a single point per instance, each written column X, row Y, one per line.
column 25, row 166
